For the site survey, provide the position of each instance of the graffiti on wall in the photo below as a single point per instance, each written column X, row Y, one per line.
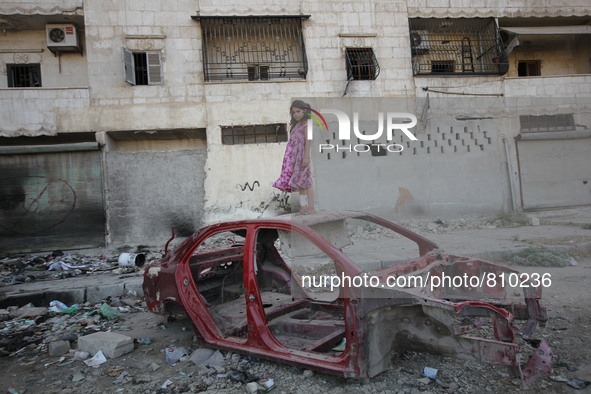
column 248, row 186
column 34, row 204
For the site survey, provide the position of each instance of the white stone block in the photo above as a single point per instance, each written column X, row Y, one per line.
column 111, row 344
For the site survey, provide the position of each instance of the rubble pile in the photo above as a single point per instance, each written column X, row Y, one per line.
column 57, row 265
column 32, row 329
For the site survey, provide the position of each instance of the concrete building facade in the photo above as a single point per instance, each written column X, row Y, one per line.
column 123, row 119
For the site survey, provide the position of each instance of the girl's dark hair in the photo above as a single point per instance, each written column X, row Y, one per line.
column 301, row 105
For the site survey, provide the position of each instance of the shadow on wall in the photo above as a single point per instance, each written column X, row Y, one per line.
column 406, row 203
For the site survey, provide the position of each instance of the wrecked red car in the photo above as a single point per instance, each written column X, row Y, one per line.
column 346, row 293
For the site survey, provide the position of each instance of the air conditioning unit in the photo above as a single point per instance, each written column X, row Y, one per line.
column 419, row 42
column 62, row 38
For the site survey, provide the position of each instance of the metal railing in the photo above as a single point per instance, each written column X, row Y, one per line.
column 253, row 48
column 456, row 47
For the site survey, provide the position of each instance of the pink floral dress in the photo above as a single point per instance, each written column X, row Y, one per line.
column 293, row 176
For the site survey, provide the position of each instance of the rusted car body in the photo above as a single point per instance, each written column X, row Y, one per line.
column 255, row 287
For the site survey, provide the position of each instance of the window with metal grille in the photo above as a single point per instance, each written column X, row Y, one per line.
column 142, row 68
column 253, row 48
column 559, row 122
column 529, row 68
column 361, row 64
column 254, row 134
column 466, row 46
column 24, row 75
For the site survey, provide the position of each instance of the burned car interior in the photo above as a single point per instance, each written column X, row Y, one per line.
column 275, row 288
column 296, row 321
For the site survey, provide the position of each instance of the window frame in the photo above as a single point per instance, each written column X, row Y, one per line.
column 242, row 135
column 359, row 60
column 153, row 67
column 34, row 71
column 547, row 123
column 537, row 68
column 262, row 48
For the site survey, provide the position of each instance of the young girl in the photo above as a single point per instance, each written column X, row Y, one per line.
column 295, row 172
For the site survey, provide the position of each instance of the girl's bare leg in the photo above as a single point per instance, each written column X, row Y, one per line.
column 309, row 208
column 303, row 200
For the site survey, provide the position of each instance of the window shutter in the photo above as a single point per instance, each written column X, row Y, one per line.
column 129, row 66
column 154, row 67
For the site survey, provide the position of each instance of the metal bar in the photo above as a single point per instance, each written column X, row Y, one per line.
column 26, row 149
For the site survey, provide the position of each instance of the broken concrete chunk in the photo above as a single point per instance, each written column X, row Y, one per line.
column 30, row 311
column 207, row 357
column 534, row 220
column 58, row 348
column 200, row 356
column 111, row 344
column 252, row 387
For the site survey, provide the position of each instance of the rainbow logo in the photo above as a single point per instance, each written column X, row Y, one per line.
column 319, row 119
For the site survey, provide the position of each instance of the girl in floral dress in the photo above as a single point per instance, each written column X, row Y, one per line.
column 296, row 174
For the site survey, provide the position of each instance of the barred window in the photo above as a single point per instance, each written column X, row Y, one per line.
column 253, row 48
column 361, row 64
column 254, row 134
column 446, row 46
column 559, row 122
column 24, row 75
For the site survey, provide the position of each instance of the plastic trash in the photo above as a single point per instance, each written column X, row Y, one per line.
column 341, row 346
column 242, row 376
column 96, row 360
column 174, row 354
column 430, row 372
column 145, row 341
column 267, row 384
column 577, row 383
column 108, row 313
column 60, row 307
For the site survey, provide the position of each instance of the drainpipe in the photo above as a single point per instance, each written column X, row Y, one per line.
column 511, row 175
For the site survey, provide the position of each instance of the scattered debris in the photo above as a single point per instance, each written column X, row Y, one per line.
column 96, row 360
column 207, row 357
column 242, row 376
column 430, row 372
column 109, row 313
column 540, row 257
column 58, row 348
column 174, row 354
column 27, row 268
column 267, row 385
column 78, row 376
column 575, row 383
column 510, row 219
column 111, row 344
column 60, row 307
column 252, row 387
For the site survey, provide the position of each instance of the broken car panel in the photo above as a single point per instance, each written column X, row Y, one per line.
column 346, row 293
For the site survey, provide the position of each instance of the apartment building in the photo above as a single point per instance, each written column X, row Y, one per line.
column 123, row 119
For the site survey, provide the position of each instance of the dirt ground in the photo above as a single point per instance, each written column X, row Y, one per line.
column 145, row 369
